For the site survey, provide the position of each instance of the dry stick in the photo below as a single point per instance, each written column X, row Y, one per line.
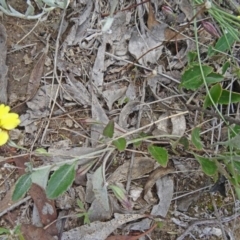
column 211, row 221
column 213, row 114
column 218, row 217
column 13, row 206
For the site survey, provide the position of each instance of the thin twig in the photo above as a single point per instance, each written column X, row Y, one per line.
column 13, row 206
column 208, row 221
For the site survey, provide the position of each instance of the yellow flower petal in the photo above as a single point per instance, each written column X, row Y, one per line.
column 3, row 137
column 4, row 110
column 9, row 121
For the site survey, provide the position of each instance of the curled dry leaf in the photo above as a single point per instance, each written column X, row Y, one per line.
column 130, row 107
column 164, row 187
column 112, row 95
column 154, row 176
column 141, row 166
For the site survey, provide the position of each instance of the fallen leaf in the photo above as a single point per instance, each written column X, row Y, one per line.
column 3, row 67
column 154, row 176
column 141, row 166
column 46, row 207
column 36, row 75
column 164, row 188
column 130, row 107
column 31, row 232
column 100, row 230
column 100, row 188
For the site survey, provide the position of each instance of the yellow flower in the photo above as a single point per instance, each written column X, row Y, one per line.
column 3, row 137
column 8, row 121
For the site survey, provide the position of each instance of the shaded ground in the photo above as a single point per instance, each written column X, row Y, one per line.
column 67, row 122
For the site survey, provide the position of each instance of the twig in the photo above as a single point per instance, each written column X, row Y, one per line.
column 13, row 206
column 218, row 217
column 209, row 221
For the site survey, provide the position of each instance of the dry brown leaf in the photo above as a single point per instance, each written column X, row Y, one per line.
column 140, row 167
column 155, row 27
column 154, row 176
column 46, row 207
column 36, row 75
column 31, row 232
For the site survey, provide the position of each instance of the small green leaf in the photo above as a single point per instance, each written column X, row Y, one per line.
column 233, row 142
column 184, row 141
column 42, row 151
column 4, row 231
column 22, row 186
column 109, row 129
column 195, row 136
column 60, row 181
column 191, row 56
column 214, row 78
column 237, row 165
column 234, row 130
column 223, row 44
column 215, row 92
column 225, row 66
column 208, row 166
column 80, row 204
column 160, row 154
column 226, row 95
column 192, row 77
column 120, row 144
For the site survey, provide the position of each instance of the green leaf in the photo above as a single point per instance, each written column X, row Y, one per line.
column 195, row 136
column 223, row 44
column 208, row 166
column 214, row 78
column 225, row 66
column 191, row 56
column 226, row 95
column 22, row 186
column 192, row 77
column 40, row 177
column 160, row 154
column 234, row 142
column 184, row 141
column 60, row 181
column 215, row 92
column 80, row 204
column 109, row 129
column 120, row 144
column 42, row 151
column 4, row 231
column 234, row 130
column 237, row 165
